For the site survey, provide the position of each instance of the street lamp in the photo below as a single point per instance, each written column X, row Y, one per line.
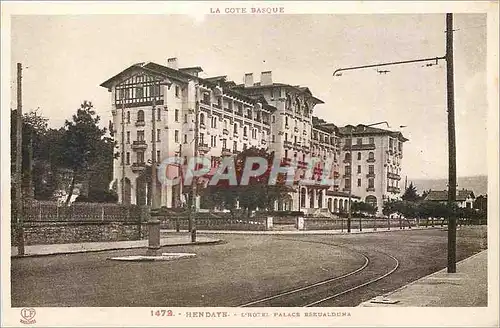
column 349, row 212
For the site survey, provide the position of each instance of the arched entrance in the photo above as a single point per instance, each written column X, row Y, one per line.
column 320, row 199
column 303, row 192
column 329, row 204
column 335, row 205
column 311, row 198
column 372, row 200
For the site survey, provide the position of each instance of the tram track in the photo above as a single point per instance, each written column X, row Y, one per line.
column 377, row 266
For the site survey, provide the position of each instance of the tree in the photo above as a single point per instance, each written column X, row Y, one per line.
column 256, row 194
column 79, row 148
column 363, row 208
column 410, row 193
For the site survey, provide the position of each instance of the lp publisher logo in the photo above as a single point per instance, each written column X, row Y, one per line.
column 28, row 314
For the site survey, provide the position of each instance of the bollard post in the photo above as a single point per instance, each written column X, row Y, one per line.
column 300, row 223
column 269, row 223
column 153, row 233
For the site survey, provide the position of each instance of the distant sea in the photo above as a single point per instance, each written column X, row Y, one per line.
column 478, row 184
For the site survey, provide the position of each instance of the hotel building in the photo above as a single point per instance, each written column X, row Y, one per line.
column 232, row 117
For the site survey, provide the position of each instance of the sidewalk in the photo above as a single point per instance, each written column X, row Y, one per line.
column 39, row 250
column 305, row 232
column 466, row 288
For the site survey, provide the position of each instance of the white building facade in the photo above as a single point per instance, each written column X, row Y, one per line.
column 232, row 117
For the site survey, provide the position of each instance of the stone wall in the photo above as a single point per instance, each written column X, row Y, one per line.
column 53, row 224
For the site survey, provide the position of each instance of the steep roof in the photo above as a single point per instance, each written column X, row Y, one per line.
column 323, row 125
column 442, row 195
column 257, row 85
column 340, row 194
column 361, row 129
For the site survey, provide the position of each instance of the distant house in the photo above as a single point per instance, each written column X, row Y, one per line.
column 464, row 198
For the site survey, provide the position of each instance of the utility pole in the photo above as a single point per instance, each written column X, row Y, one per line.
column 349, row 213
column 452, row 174
column 452, row 153
column 19, row 157
column 192, row 210
column 153, row 157
column 123, row 146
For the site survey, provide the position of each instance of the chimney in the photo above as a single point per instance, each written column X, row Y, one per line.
column 172, row 63
column 248, row 80
column 266, row 78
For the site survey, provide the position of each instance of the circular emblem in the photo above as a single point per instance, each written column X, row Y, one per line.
column 28, row 313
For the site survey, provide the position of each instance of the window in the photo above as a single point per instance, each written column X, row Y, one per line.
column 390, row 142
column 245, row 131
column 176, row 115
column 359, row 156
column 286, row 120
column 286, row 153
column 225, row 124
column 140, row 116
column 213, row 141
column 295, row 140
column 185, row 118
column 400, row 145
column 127, row 160
column 158, row 134
column 295, row 155
column 224, row 143
column 158, row 114
column 202, row 138
column 348, row 183
column 347, row 170
column 140, row 157
column 348, row 141
column 128, row 137
column 372, row 141
column 371, row 169
column 249, row 113
column 273, row 119
column 347, row 157
column 202, row 118
column 214, row 122
column 359, row 182
column 185, row 139
column 244, row 146
column 359, row 168
column 359, row 141
column 176, row 136
column 371, row 155
column 140, row 135
column 128, row 117
column 158, row 157
column 177, row 91
column 273, row 138
column 235, row 146
column 371, row 183
column 138, row 92
column 219, row 102
column 254, row 133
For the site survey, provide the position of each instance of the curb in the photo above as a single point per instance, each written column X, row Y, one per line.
column 415, row 281
column 301, row 232
column 198, row 243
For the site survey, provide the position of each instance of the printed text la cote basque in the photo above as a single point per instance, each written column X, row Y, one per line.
column 245, row 10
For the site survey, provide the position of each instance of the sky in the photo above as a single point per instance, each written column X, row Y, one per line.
column 65, row 58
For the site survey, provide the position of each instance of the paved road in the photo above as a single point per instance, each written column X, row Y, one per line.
column 244, row 269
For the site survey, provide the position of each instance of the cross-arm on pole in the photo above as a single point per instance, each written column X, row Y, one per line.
column 387, row 64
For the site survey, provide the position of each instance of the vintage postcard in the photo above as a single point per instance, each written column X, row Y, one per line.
column 250, row 163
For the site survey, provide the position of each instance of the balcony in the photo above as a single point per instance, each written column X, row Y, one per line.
column 205, row 102
column 225, row 132
column 203, row 147
column 346, row 189
column 138, row 167
column 360, row 147
column 393, row 176
column 226, row 152
column 265, row 122
column 140, row 123
column 216, row 106
column 370, row 189
column 287, row 143
column 347, row 161
column 202, row 125
column 139, row 145
column 227, row 109
column 304, row 132
column 370, row 160
column 347, row 175
column 263, row 141
column 296, row 129
column 395, row 190
column 240, row 113
column 370, row 175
